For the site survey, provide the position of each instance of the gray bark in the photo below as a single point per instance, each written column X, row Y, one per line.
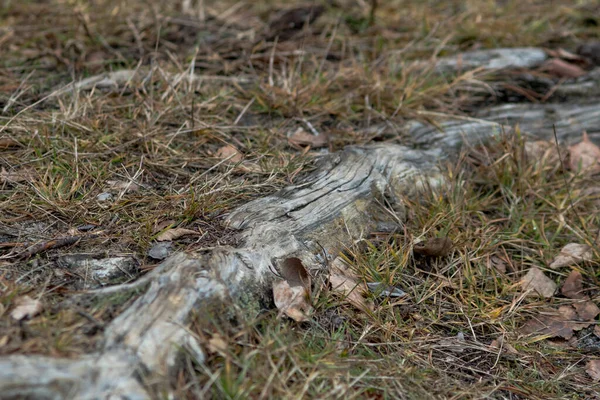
column 336, row 205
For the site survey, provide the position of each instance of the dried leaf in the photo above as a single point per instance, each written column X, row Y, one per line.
column 536, row 281
column 562, row 69
column 497, row 263
column 26, row 307
column 17, row 176
column 216, row 344
column 435, row 247
column 586, row 310
column 292, row 300
column 562, row 323
column 302, row 138
column 597, row 331
column 502, row 344
column 593, row 369
column 585, row 154
column 230, row 154
column 175, row 233
column 573, row 286
column 345, row 282
column 542, row 152
column 8, row 143
column 572, row 254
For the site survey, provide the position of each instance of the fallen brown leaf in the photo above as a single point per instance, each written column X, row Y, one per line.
column 175, row 233
column 230, row 154
column 500, row 343
column 572, row 254
column 292, row 300
column 562, row 69
column 26, row 307
column 573, row 286
column 597, row 331
column 541, row 152
column 586, row 310
column 216, row 344
column 593, row 369
column 562, row 323
column 434, row 247
column 586, row 155
column 536, row 281
column 8, row 143
column 302, row 138
column 16, row 176
column 345, row 282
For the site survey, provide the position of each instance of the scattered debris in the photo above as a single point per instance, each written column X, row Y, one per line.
column 104, row 196
column 176, row 233
column 26, row 307
column 585, row 155
column 385, row 290
column 49, row 245
column 160, row 250
column 435, row 247
column 572, row 254
column 536, row 282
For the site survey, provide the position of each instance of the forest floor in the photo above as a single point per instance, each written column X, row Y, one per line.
column 227, row 103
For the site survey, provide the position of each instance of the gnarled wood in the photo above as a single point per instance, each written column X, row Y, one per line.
column 335, row 205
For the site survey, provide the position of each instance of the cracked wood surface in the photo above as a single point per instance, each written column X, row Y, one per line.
column 334, row 206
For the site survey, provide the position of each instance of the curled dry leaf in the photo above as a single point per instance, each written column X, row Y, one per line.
column 345, row 282
column 291, row 295
column 176, row 233
column 593, row 369
column 536, row 282
column 573, row 286
column 435, row 247
column 229, row 153
column 302, row 138
column 562, row 69
column 586, row 155
column 292, row 300
column 26, row 307
column 572, row 254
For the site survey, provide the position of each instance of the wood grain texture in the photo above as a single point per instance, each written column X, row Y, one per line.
column 335, row 205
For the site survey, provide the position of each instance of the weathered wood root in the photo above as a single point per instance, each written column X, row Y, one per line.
column 336, row 205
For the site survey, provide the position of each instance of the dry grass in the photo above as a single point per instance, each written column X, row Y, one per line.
column 153, row 145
